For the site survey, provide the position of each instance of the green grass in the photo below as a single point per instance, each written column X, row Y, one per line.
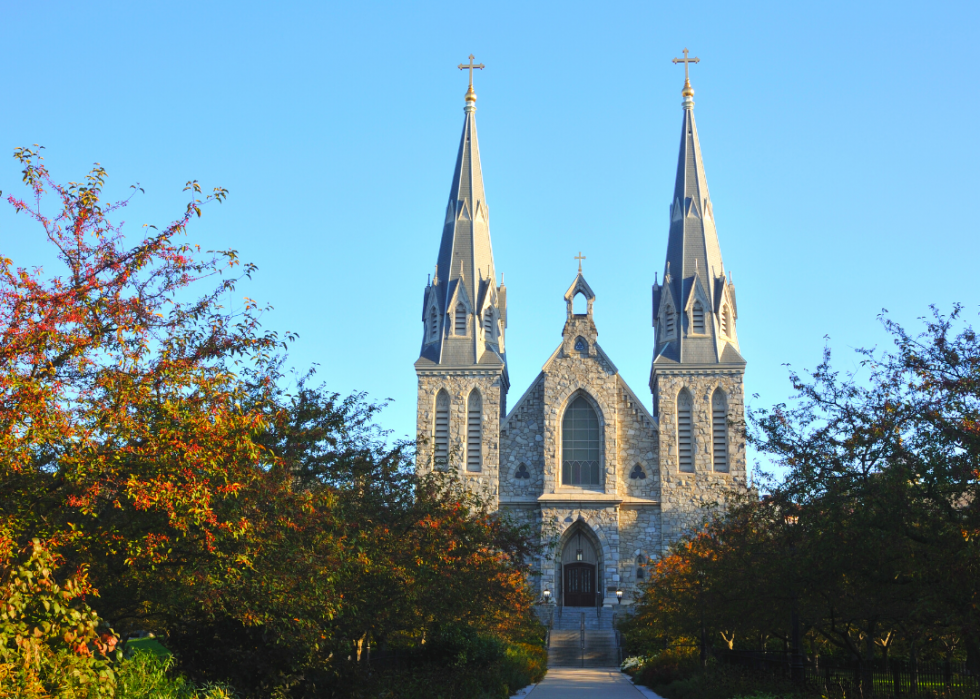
column 147, row 645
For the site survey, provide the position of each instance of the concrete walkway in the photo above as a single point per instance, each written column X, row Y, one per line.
column 588, row 683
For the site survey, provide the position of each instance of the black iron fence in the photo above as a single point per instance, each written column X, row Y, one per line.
column 853, row 680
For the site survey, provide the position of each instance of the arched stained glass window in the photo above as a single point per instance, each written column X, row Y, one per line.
column 580, row 444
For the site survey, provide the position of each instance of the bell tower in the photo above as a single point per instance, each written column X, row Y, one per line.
column 462, row 365
column 697, row 371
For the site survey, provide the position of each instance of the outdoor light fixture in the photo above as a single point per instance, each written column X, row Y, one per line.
column 619, row 596
column 578, row 555
column 547, row 596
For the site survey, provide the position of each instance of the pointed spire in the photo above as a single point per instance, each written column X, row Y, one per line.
column 465, row 250
column 692, row 246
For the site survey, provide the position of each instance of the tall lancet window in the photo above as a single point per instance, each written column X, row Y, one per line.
column 685, row 445
column 474, row 432
column 580, row 444
column 460, row 319
column 697, row 317
column 441, row 436
column 719, row 430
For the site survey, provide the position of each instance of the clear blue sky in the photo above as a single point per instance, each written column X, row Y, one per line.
column 839, row 139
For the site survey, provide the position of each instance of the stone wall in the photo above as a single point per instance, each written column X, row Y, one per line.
column 639, row 535
column 459, row 385
column 638, row 446
column 522, row 442
column 586, row 372
column 686, row 496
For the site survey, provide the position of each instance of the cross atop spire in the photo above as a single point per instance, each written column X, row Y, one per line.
column 688, row 91
column 470, row 95
column 579, row 257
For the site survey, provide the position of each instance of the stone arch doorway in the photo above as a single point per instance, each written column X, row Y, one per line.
column 579, row 568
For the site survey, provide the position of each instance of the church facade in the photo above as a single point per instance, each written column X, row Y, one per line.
column 578, row 454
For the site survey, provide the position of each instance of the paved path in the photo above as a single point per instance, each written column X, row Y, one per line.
column 590, row 683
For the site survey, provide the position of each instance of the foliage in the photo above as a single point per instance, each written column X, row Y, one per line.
column 266, row 528
column 872, row 539
column 146, row 676
column 459, row 662
column 668, row 666
column 50, row 640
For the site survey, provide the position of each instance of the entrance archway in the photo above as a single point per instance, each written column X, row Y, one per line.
column 579, row 566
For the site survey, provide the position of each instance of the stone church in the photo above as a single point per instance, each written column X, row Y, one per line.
column 578, row 453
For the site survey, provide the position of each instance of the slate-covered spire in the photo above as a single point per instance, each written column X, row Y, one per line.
column 465, row 274
column 694, row 308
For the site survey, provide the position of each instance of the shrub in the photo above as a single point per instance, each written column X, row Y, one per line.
column 668, row 666
column 50, row 640
column 145, row 676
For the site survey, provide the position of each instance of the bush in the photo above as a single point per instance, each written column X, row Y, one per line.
column 457, row 661
column 50, row 640
column 145, row 676
column 668, row 666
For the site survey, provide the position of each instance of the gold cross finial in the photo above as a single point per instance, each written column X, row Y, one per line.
column 688, row 91
column 579, row 257
column 470, row 95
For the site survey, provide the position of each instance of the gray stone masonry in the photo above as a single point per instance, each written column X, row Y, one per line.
column 459, row 384
column 643, row 502
column 686, row 497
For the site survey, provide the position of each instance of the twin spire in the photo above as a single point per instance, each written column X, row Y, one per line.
column 465, row 287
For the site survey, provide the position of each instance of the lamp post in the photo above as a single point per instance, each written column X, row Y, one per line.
column 547, row 595
column 619, row 596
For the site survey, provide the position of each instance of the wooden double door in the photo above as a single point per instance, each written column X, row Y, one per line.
column 579, row 584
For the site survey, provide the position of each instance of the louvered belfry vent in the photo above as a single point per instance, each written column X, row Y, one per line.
column 685, row 450
column 719, row 431
column 488, row 322
column 441, row 454
column 669, row 323
column 697, row 317
column 460, row 319
column 474, row 432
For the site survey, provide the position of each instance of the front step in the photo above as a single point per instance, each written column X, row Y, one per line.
column 572, row 618
column 570, row 649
